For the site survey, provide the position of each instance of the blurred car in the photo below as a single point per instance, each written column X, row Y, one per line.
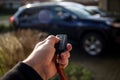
column 92, row 32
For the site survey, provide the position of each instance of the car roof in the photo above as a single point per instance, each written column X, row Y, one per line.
column 49, row 4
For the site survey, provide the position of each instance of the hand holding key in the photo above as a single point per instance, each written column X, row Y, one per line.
column 41, row 58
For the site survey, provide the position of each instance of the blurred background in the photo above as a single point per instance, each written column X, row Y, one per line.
column 16, row 44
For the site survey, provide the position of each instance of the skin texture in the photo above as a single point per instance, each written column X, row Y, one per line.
column 42, row 57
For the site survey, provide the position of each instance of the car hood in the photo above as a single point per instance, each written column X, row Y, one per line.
column 103, row 19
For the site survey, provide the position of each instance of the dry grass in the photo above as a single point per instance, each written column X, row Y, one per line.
column 29, row 38
column 16, row 46
column 9, row 45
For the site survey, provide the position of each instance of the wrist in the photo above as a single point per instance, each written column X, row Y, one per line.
column 37, row 68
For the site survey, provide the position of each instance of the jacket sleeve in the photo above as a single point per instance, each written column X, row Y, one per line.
column 21, row 72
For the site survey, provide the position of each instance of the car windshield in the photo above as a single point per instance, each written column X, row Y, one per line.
column 72, row 4
column 80, row 12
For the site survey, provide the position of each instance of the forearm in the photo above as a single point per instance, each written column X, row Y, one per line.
column 21, row 72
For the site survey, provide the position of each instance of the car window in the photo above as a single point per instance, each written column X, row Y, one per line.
column 44, row 15
column 29, row 12
column 58, row 13
column 80, row 12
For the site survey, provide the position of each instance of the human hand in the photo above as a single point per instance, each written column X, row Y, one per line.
column 42, row 57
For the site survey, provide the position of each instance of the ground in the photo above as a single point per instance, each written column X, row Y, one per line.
column 105, row 67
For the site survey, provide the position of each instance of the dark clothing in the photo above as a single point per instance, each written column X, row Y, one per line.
column 21, row 72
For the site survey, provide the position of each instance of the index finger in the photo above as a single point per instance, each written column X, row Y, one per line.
column 52, row 40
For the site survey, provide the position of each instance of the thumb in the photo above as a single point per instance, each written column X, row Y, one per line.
column 51, row 40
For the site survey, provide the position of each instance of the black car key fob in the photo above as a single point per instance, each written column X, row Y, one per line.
column 61, row 45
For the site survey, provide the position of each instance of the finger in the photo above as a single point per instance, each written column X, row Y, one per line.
column 64, row 65
column 63, row 62
column 65, row 55
column 52, row 40
column 39, row 43
column 69, row 47
column 64, row 58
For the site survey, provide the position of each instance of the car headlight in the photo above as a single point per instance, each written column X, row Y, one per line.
column 116, row 25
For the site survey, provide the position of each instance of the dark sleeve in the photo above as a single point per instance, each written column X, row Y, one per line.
column 21, row 72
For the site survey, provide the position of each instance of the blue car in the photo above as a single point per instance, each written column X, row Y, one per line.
column 92, row 32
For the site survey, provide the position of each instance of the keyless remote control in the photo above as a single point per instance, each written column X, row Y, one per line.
column 61, row 45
